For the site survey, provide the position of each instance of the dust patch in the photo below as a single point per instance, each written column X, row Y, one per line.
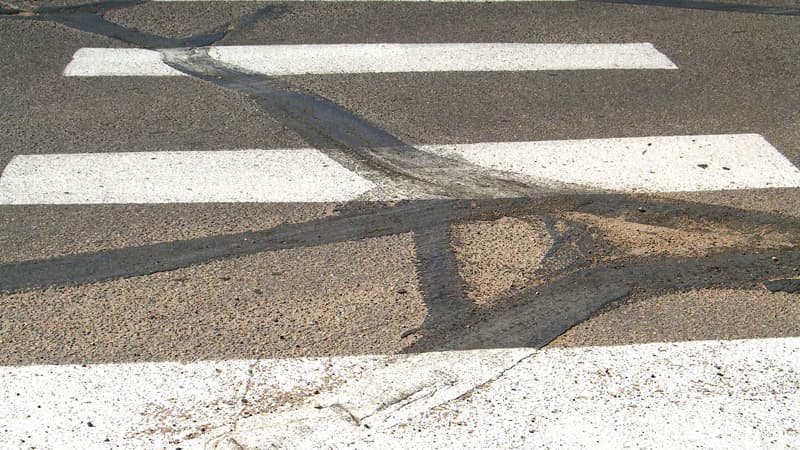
column 694, row 238
column 497, row 256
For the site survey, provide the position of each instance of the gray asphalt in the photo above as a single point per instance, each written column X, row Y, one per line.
column 739, row 73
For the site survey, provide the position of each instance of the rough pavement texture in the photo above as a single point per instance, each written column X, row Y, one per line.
column 337, row 299
column 500, row 255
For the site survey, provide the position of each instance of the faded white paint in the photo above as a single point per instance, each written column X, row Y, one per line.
column 644, row 164
column 710, row 394
column 277, row 60
column 302, row 175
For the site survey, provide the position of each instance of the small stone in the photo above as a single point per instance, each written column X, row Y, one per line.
column 642, row 209
column 774, row 258
column 402, row 291
column 408, row 333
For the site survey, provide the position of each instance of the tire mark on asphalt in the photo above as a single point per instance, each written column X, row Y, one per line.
column 709, row 6
column 344, row 136
column 439, row 278
column 531, row 320
column 328, row 126
column 789, row 285
column 90, row 18
column 358, row 221
column 538, row 315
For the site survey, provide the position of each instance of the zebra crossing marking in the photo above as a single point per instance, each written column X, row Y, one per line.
column 640, row 164
column 636, row 394
column 277, row 60
column 302, row 175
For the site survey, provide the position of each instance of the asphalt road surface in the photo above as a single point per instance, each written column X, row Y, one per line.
column 245, row 224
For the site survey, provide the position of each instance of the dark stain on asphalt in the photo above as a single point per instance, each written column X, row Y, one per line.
column 439, row 278
column 90, row 18
column 350, row 139
column 790, row 285
column 533, row 320
column 581, row 281
column 709, row 6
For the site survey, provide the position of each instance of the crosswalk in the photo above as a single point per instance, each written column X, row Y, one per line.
column 592, row 397
column 650, row 164
column 642, row 395
column 281, row 60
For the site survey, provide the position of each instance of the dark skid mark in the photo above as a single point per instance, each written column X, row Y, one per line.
column 326, row 125
column 90, row 18
column 322, row 123
column 358, row 221
column 148, row 259
column 439, row 281
column 533, row 320
column 573, row 250
column 790, row 285
column 710, row 6
column 670, row 213
column 93, row 23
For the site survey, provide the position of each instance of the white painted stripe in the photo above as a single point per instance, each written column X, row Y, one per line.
column 719, row 394
column 642, row 164
column 179, row 177
column 277, row 60
column 645, row 164
column 371, row 58
column 117, row 62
